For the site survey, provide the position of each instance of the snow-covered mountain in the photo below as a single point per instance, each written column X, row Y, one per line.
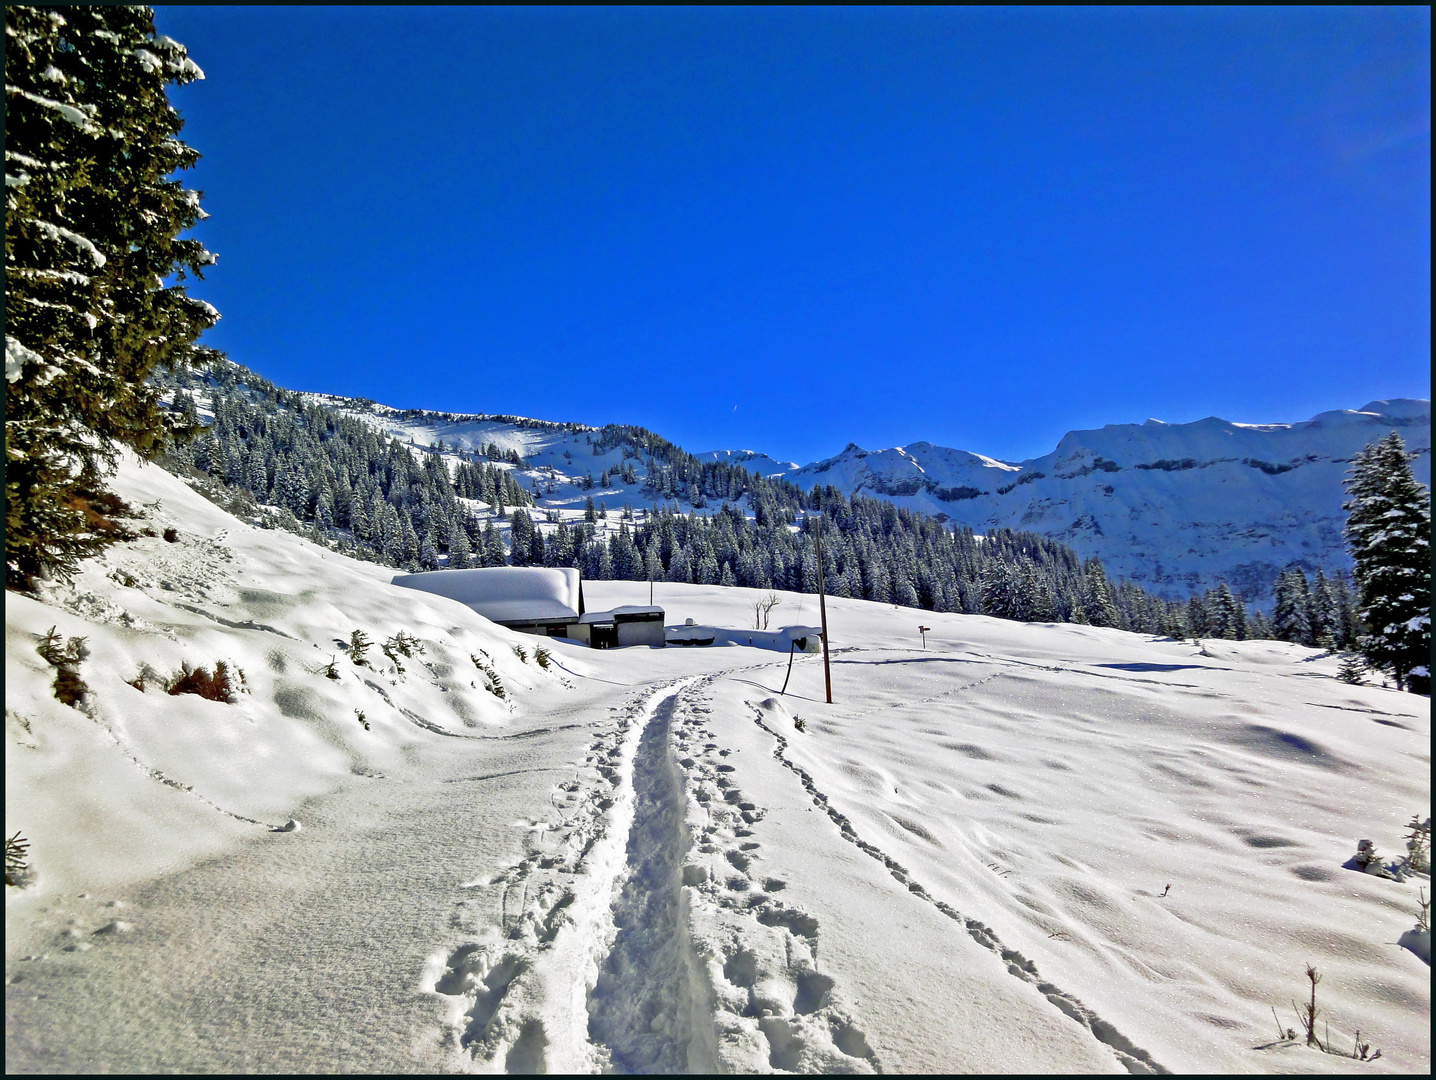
column 1173, row 507
column 752, row 460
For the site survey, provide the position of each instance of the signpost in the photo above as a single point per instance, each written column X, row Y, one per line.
column 823, row 610
column 923, row 631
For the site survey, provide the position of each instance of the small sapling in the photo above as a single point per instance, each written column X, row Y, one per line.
column 16, row 848
column 359, row 644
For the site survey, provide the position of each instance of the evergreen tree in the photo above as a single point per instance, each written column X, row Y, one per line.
column 1101, row 610
column 428, row 552
column 1349, row 628
column 92, row 226
column 1000, row 597
column 1389, row 535
column 1321, row 612
column 1196, row 617
column 1289, row 618
column 1226, row 615
column 521, row 532
column 494, row 554
column 679, row 569
column 459, row 551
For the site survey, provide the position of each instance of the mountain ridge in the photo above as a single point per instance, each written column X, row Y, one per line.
column 1242, row 523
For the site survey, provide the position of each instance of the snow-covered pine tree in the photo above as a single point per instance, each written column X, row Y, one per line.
column 1289, row 618
column 1388, row 531
column 1349, row 627
column 1321, row 612
column 459, row 552
column 1227, row 618
column 1000, row 591
column 1352, row 669
column 92, row 227
column 494, row 554
column 1101, row 611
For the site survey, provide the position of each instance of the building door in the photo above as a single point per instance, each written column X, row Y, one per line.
column 603, row 636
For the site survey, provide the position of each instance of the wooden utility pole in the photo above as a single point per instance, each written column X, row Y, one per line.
column 823, row 611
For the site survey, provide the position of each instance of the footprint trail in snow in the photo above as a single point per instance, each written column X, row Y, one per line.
column 637, row 933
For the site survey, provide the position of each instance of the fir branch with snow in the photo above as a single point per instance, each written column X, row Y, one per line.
column 93, row 230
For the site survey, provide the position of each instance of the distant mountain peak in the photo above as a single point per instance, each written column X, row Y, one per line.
column 1174, row 507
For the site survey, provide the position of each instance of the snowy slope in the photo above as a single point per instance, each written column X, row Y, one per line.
column 636, row 859
column 558, row 460
column 1217, row 500
column 751, row 460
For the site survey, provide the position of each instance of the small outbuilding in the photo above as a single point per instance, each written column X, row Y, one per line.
column 542, row 600
column 621, row 627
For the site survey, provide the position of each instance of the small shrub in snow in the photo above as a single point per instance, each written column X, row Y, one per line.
column 1362, row 1051
column 1370, row 861
column 57, row 652
column 1423, row 912
column 1366, row 854
column 331, row 671
column 145, row 676
column 68, row 687
column 172, row 535
column 359, row 713
column 1308, row 1013
column 16, row 868
column 1352, row 669
column 1418, row 845
column 404, row 644
column 542, row 657
column 521, row 654
column 359, row 644
column 800, row 723
column 212, row 687
column 492, row 683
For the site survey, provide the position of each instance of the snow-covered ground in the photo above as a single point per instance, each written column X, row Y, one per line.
column 1021, row 848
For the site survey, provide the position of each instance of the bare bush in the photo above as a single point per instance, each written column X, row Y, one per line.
column 218, row 686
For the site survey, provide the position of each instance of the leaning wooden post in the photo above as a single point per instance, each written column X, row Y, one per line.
column 823, row 610
column 792, row 645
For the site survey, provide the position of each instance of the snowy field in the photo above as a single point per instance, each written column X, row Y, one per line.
column 1020, row 848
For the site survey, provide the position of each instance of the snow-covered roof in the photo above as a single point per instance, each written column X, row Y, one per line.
column 623, row 609
column 506, row 594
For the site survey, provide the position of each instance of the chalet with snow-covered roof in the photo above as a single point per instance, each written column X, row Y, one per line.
column 542, row 600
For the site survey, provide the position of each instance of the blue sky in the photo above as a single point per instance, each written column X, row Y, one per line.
column 786, row 229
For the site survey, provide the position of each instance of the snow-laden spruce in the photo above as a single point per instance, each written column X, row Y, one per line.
column 93, row 224
column 1389, row 531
